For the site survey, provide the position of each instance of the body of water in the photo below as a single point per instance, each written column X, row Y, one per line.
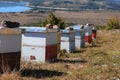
column 6, row 6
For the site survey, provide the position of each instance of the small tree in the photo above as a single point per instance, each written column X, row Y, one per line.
column 53, row 20
column 113, row 23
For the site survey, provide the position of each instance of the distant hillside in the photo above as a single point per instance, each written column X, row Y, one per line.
column 77, row 4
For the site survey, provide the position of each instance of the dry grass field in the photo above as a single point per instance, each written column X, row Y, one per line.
column 83, row 17
column 98, row 18
column 22, row 18
column 100, row 61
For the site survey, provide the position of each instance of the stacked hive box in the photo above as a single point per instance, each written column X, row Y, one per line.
column 79, row 37
column 88, row 33
column 68, row 40
column 59, row 37
column 39, row 44
column 10, row 47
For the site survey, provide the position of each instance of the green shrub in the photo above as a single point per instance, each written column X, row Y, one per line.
column 99, row 27
column 113, row 23
column 53, row 20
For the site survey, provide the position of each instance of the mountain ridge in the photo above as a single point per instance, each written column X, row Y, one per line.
column 76, row 4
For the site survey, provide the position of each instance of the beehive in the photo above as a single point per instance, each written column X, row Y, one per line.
column 88, row 33
column 59, row 37
column 68, row 40
column 10, row 48
column 79, row 37
column 39, row 44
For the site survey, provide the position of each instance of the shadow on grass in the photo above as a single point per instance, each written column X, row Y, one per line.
column 92, row 46
column 40, row 73
column 79, row 51
column 101, row 53
column 71, row 61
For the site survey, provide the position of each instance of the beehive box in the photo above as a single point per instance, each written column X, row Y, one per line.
column 39, row 44
column 88, row 33
column 10, row 48
column 68, row 40
column 79, row 37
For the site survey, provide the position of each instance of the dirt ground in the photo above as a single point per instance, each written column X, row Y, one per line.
column 83, row 17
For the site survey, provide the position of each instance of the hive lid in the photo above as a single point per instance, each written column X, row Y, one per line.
column 86, row 27
column 76, row 27
column 38, row 29
column 67, row 31
column 10, row 31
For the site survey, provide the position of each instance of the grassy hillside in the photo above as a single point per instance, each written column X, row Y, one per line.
column 77, row 4
column 83, row 4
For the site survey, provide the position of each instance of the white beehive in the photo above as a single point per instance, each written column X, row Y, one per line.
column 68, row 40
column 39, row 44
column 79, row 37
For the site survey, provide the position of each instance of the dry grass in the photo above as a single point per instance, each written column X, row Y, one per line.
column 83, row 17
column 22, row 18
column 101, row 62
column 10, row 76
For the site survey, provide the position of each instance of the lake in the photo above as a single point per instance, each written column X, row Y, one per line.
column 7, row 6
